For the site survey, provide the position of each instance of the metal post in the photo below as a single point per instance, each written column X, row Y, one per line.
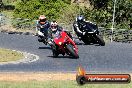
column 113, row 21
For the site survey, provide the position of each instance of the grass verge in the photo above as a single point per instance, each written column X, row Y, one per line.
column 9, row 55
column 58, row 84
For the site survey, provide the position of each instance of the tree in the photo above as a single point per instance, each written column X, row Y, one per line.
column 33, row 8
column 99, row 4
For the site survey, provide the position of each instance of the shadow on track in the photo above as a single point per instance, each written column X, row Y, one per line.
column 78, row 43
column 63, row 57
column 45, row 48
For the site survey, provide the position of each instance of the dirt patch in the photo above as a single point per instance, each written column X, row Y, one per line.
column 36, row 76
column 9, row 28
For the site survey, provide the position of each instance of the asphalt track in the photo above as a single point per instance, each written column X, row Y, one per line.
column 114, row 57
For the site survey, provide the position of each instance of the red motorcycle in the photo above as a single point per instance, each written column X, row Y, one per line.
column 63, row 44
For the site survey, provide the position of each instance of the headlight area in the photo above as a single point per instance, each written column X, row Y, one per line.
column 60, row 43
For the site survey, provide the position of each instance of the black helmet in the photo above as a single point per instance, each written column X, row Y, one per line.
column 80, row 18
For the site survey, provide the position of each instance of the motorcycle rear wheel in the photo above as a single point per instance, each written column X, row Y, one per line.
column 72, row 51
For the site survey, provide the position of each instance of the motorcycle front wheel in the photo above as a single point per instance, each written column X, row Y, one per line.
column 55, row 53
column 71, row 50
column 100, row 40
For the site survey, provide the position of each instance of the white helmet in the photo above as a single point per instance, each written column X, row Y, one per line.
column 54, row 26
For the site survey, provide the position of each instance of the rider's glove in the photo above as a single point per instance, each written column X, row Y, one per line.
column 76, row 25
column 40, row 33
column 83, row 33
column 41, row 26
column 49, row 42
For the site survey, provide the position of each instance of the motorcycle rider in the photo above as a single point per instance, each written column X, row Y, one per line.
column 80, row 24
column 54, row 31
column 42, row 27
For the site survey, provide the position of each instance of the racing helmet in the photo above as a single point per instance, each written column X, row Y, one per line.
column 80, row 18
column 53, row 26
column 42, row 19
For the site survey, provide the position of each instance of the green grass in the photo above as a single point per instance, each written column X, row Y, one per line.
column 58, row 84
column 8, row 55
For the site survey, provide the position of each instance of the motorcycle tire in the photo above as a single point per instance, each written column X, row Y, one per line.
column 72, row 51
column 100, row 40
column 55, row 54
column 40, row 39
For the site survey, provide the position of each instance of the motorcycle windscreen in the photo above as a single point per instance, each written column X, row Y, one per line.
column 91, row 27
column 60, row 39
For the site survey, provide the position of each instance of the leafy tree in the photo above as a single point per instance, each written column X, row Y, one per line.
column 31, row 8
column 53, row 9
column 123, row 13
column 99, row 4
column 63, row 11
column 103, row 10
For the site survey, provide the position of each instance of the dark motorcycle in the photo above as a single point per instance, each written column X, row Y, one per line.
column 63, row 44
column 90, row 34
